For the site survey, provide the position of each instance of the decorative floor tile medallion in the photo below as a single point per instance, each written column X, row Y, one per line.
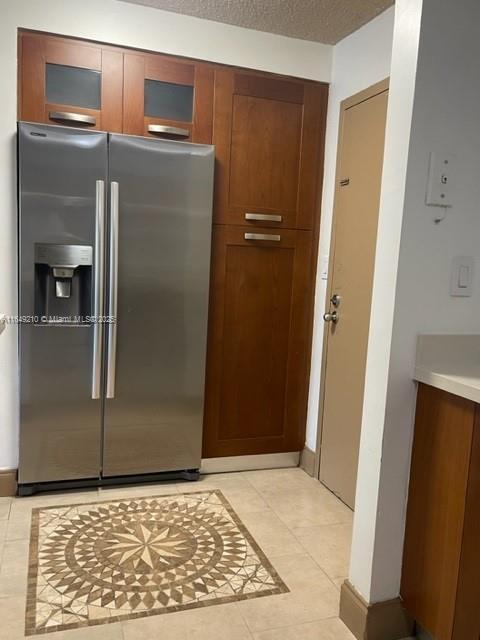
column 108, row 561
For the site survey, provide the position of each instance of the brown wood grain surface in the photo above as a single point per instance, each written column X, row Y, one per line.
column 73, row 53
column 258, row 343
column 268, row 134
column 112, row 91
column 158, row 67
column 467, row 611
column 139, row 67
column 31, row 106
column 133, row 93
column 37, row 50
column 203, row 104
column 436, row 509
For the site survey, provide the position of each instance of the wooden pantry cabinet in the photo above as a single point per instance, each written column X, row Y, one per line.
column 258, row 352
column 268, row 132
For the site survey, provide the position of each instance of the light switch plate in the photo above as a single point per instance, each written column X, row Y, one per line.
column 324, row 267
column 440, row 179
column 461, row 283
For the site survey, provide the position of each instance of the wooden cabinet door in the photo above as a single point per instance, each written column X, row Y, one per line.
column 258, row 353
column 467, row 611
column 439, row 477
column 268, row 134
column 167, row 97
column 70, row 82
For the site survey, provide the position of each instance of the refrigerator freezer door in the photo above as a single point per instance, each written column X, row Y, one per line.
column 61, row 173
column 154, row 406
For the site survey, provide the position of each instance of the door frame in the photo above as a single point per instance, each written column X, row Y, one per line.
column 355, row 99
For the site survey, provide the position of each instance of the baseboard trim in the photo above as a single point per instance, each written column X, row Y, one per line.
column 250, row 463
column 307, row 461
column 8, row 477
column 379, row 621
column 8, row 482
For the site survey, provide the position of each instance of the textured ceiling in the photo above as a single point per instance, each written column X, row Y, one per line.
column 325, row 21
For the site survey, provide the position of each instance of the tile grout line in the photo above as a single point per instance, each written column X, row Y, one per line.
column 293, row 626
column 321, row 568
column 311, row 556
column 290, row 626
column 310, row 526
column 290, row 529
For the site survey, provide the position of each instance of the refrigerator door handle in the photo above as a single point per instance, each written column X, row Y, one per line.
column 98, row 291
column 113, row 291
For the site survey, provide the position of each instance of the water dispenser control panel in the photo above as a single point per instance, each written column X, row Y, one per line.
column 63, row 282
column 68, row 255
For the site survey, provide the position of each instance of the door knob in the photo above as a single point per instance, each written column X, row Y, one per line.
column 331, row 317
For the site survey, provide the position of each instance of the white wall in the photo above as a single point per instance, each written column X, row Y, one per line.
column 360, row 60
column 415, row 299
column 128, row 25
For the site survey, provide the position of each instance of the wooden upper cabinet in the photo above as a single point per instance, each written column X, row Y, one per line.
column 269, row 135
column 70, row 82
column 166, row 97
column 258, row 349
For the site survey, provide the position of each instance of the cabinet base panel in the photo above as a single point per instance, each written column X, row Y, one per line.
column 250, row 463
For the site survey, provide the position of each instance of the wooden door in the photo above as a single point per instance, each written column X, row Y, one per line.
column 70, row 82
column 359, row 173
column 267, row 133
column 258, row 356
column 168, row 97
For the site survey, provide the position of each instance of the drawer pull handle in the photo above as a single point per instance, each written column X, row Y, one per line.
column 265, row 217
column 263, row 236
column 67, row 116
column 172, row 131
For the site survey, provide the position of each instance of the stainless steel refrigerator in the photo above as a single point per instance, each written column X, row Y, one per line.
column 114, row 262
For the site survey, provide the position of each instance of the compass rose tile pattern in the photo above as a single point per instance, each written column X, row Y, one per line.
column 103, row 562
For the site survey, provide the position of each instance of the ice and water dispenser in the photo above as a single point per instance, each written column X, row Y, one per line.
column 63, row 283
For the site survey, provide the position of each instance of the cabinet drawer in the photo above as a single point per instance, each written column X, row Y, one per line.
column 268, row 133
column 70, row 82
column 257, row 369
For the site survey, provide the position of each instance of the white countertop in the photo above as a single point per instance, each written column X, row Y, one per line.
column 450, row 363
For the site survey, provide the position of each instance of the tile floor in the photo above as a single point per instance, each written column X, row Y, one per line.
column 301, row 527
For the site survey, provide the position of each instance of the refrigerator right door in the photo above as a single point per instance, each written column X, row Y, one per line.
column 158, row 288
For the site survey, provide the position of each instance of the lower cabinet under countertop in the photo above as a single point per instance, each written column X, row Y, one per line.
column 441, row 568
